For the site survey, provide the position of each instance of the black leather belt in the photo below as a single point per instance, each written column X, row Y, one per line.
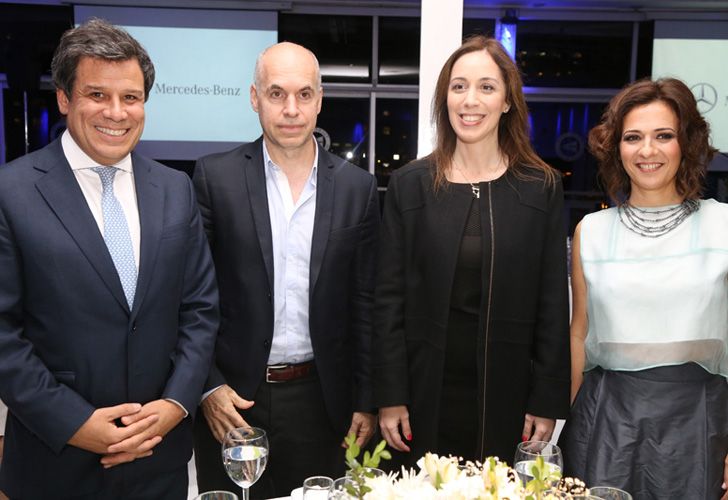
column 275, row 374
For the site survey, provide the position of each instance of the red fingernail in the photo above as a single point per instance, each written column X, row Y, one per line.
column 524, row 438
column 409, row 437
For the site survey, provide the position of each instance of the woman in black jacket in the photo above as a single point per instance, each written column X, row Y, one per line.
column 471, row 344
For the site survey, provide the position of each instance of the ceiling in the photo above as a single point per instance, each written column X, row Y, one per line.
column 526, row 8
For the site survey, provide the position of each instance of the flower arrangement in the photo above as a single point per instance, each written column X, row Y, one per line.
column 441, row 478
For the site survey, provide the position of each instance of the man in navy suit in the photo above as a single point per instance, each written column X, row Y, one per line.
column 108, row 299
column 293, row 231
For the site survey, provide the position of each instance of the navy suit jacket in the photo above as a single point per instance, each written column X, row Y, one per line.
column 69, row 343
column 233, row 201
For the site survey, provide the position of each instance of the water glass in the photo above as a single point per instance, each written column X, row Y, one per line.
column 609, row 493
column 317, row 488
column 527, row 453
column 338, row 491
column 245, row 455
column 370, row 472
column 216, row 495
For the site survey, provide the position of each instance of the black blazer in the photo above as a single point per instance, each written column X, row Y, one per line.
column 524, row 364
column 233, row 201
column 69, row 343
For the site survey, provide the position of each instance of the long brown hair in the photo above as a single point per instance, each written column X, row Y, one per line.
column 513, row 130
column 693, row 136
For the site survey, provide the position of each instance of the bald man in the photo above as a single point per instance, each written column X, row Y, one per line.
column 293, row 232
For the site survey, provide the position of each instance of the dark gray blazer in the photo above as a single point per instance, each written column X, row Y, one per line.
column 232, row 194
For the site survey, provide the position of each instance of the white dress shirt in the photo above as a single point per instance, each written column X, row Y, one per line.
column 3, row 417
column 292, row 231
column 90, row 184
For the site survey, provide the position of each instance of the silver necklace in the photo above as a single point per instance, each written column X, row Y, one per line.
column 653, row 223
column 474, row 187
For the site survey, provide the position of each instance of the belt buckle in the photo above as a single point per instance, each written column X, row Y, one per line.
column 274, row 367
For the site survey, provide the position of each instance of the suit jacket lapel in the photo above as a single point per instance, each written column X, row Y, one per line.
column 257, row 194
column 61, row 191
column 150, row 200
column 322, row 219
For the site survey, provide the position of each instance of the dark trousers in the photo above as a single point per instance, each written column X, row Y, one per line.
column 301, row 439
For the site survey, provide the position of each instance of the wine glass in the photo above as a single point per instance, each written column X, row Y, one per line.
column 217, row 495
column 317, row 488
column 245, row 455
column 339, row 491
column 609, row 493
column 527, row 453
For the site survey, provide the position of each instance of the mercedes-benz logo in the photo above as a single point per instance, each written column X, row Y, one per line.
column 322, row 137
column 706, row 96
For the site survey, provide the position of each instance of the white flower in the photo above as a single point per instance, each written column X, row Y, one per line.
column 442, row 478
column 440, row 469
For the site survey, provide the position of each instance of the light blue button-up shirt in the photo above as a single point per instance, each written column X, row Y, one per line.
column 292, row 231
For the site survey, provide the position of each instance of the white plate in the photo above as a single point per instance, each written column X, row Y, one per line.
column 297, row 494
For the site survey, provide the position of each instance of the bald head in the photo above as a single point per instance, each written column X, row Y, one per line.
column 289, row 55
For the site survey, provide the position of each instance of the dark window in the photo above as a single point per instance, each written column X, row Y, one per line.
column 343, row 126
column 644, row 49
column 399, row 50
column 574, row 53
column 342, row 44
column 396, row 141
column 45, row 122
column 559, row 133
column 30, row 34
column 478, row 27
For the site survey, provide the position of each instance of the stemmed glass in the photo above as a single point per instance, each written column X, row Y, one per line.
column 609, row 493
column 245, row 455
column 528, row 452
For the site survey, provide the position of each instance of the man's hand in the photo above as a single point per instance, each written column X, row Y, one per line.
column 221, row 411
column 362, row 426
column 537, row 428
column 391, row 418
column 167, row 414
column 100, row 432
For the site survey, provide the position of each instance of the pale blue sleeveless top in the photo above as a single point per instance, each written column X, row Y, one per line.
column 657, row 301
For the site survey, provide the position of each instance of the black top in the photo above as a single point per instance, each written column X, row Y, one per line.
column 523, row 362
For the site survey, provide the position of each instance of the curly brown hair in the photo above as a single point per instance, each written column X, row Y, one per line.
column 513, row 129
column 693, row 137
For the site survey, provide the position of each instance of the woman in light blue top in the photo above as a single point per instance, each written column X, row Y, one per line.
column 649, row 331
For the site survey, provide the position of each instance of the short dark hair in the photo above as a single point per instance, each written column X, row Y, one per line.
column 513, row 129
column 97, row 39
column 693, row 136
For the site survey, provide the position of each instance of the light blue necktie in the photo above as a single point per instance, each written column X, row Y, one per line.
column 116, row 234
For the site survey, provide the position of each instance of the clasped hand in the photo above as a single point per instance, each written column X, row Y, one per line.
column 143, row 427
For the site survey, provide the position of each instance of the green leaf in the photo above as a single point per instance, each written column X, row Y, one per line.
column 385, row 454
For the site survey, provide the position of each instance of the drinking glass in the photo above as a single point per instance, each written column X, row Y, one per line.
column 216, row 495
column 609, row 493
column 338, row 491
column 370, row 472
column 245, row 455
column 317, row 488
column 527, row 453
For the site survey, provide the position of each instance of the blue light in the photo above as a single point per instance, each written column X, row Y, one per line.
column 358, row 134
column 44, row 126
column 505, row 33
